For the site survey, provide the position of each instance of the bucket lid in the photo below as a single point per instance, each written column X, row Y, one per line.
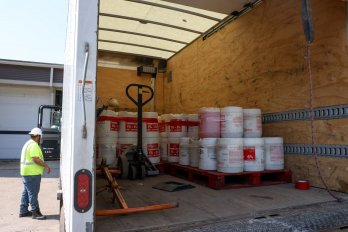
column 252, row 111
column 273, row 140
column 150, row 115
column 127, row 114
column 164, row 117
column 192, row 117
column 177, row 116
column 184, row 140
column 108, row 113
column 209, row 109
column 234, row 109
column 125, row 140
column 208, row 141
column 173, row 140
column 253, row 141
column 229, row 141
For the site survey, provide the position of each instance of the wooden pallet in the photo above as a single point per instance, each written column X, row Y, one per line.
column 219, row 180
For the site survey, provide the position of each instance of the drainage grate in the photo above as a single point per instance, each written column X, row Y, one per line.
column 320, row 113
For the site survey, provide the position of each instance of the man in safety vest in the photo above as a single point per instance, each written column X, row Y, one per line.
column 32, row 167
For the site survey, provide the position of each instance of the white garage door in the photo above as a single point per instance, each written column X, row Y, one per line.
column 18, row 114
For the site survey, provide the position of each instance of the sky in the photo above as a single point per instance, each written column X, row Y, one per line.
column 33, row 30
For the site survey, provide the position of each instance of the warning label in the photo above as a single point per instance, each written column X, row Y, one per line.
column 151, row 127
column 249, row 154
column 114, row 126
column 173, row 149
column 152, row 150
column 131, row 127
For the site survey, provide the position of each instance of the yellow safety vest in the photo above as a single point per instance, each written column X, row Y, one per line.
column 28, row 166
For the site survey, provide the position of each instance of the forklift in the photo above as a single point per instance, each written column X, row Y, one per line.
column 50, row 139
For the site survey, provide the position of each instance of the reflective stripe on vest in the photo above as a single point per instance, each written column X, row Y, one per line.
column 24, row 153
column 27, row 163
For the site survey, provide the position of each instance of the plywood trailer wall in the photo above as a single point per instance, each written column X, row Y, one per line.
column 112, row 83
column 259, row 61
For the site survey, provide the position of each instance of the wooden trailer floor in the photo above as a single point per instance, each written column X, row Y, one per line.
column 198, row 204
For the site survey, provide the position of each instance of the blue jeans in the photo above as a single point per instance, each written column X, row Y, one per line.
column 30, row 193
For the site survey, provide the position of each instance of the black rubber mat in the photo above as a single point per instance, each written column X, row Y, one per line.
column 172, row 186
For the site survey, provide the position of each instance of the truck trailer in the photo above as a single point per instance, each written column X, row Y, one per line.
column 287, row 58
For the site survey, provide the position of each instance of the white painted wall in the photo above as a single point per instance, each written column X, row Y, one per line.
column 18, row 112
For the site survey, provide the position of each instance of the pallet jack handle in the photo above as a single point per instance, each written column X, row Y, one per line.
column 139, row 103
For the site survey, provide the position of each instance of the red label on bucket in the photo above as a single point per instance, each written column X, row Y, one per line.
column 173, row 149
column 131, row 127
column 175, row 128
column 249, row 154
column 113, row 126
column 152, row 150
column 151, row 127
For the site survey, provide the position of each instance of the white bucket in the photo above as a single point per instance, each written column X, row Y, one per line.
column 106, row 149
column 184, row 156
column 124, row 143
column 252, row 123
column 192, row 125
column 128, row 124
column 232, row 122
column 176, row 127
column 274, row 153
column 230, row 155
column 163, row 148
column 209, row 126
column 207, row 160
column 194, row 151
column 163, row 125
column 150, row 125
column 151, row 149
column 254, row 155
column 107, row 124
column 173, row 150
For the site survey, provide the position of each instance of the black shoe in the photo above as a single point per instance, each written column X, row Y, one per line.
column 27, row 214
column 38, row 215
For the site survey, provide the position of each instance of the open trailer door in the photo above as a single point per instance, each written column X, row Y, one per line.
column 78, row 119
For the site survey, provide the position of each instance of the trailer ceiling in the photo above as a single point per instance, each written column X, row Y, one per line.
column 157, row 28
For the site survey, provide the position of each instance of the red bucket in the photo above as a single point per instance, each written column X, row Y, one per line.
column 302, row 184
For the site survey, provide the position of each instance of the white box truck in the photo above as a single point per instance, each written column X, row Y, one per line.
column 255, row 62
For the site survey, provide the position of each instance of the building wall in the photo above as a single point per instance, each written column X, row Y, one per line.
column 259, row 61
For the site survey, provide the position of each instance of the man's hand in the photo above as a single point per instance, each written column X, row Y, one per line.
column 38, row 161
column 48, row 169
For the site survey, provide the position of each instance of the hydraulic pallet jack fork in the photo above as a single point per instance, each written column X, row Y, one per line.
column 133, row 162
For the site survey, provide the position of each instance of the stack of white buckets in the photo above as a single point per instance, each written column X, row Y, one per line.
column 179, row 138
column 230, row 141
column 107, row 128
column 128, row 134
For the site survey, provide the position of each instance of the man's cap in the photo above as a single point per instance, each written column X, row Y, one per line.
column 36, row 131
